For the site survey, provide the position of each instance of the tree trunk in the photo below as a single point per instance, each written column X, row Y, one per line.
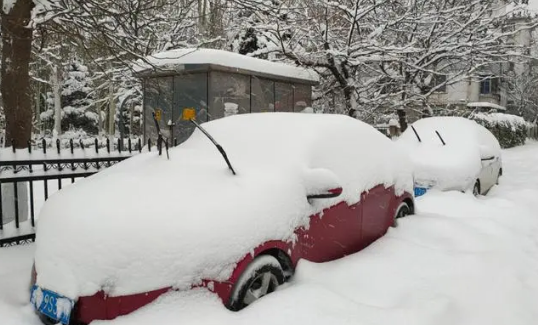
column 402, row 118
column 348, row 95
column 111, row 112
column 55, row 76
column 15, row 83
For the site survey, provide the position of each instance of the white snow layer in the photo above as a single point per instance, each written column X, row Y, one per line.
column 460, row 260
column 451, row 166
column 174, row 59
column 8, row 5
column 486, row 105
column 149, row 222
column 508, row 120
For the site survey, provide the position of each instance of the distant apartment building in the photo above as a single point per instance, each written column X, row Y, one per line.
column 488, row 90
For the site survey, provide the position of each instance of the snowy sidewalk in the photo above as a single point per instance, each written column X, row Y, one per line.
column 459, row 261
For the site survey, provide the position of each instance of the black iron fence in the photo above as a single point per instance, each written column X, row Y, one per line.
column 28, row 177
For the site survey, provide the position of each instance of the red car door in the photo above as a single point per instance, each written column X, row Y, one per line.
column 376, row 217
column 333, row 234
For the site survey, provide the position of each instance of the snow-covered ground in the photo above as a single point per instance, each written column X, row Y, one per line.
column 460, row 260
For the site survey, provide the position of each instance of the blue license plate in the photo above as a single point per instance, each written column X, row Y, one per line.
column 419, row 191
column 51, row 304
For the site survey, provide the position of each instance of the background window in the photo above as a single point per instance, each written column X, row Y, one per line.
column 229, row 94
column 485, row 86
column 190, row 92
column 158, row 96
column 302, row 97
column 263, row 95
column 283, row 97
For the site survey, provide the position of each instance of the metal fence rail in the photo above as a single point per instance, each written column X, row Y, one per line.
column 28, row 177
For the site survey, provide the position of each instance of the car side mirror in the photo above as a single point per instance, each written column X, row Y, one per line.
column 486, row 153
column 321, row 183
column 329, row 194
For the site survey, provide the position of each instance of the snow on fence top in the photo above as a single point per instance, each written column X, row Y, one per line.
column 81, row 150
column 180, row 60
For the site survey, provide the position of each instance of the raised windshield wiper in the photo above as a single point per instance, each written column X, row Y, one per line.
column 219, row 147
column 416, row 133
column 160, row 137
column 440, row 138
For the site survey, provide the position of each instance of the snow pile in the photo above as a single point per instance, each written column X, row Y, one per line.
column 461, row 260
column 153, row 214
column 15, row 271
column 176, row 59
column 451, row 166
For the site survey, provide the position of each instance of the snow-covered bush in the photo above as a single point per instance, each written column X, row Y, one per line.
column 510, row 130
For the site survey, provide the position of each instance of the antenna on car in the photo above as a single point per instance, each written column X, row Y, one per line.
column 219, row 147
column 440, row 138
column 416, row 133
column 160, row 137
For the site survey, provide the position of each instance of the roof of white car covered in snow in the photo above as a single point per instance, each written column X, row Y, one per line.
column 451, row 165
column 149, row 222
column 183, row 60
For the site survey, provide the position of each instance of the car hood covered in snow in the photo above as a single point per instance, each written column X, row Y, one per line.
column 149, row 222
column 453, row 166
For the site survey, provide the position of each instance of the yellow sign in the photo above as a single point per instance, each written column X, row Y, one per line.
column 188, row 114
column 158, row 114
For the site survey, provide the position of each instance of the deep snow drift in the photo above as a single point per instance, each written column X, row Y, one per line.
column 460, row 260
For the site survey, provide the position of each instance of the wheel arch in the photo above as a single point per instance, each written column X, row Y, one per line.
column 283, row 258
column 411, row 203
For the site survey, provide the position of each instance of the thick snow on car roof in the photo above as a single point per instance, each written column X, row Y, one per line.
column 457, row 162
column 149, row 222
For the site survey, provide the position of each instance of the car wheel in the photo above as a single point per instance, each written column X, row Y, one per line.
column 499, row 176
column 403, row 211
column 476, row 188
column 261, row 277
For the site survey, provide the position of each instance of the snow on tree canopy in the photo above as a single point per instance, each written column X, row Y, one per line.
column 76, row 101
column 153, row 217
column 175, row 59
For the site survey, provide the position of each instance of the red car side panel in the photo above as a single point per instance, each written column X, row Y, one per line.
column 339, row 231
column 332, row 234
column 376, row 215
column 99, row 306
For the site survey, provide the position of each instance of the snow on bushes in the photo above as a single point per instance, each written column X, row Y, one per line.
column 510, row 130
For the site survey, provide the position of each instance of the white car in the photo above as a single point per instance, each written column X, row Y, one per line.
column 452, row 153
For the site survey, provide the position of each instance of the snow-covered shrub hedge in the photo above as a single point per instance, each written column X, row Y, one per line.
column 510, row 130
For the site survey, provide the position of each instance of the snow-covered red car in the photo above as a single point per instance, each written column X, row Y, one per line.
column 452, row 153
column 299, row 186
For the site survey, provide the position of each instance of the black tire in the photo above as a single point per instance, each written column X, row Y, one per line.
column 403, row 211
column 476, row 188
column 499, row 176
column 46, row 320
column 261, row 277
